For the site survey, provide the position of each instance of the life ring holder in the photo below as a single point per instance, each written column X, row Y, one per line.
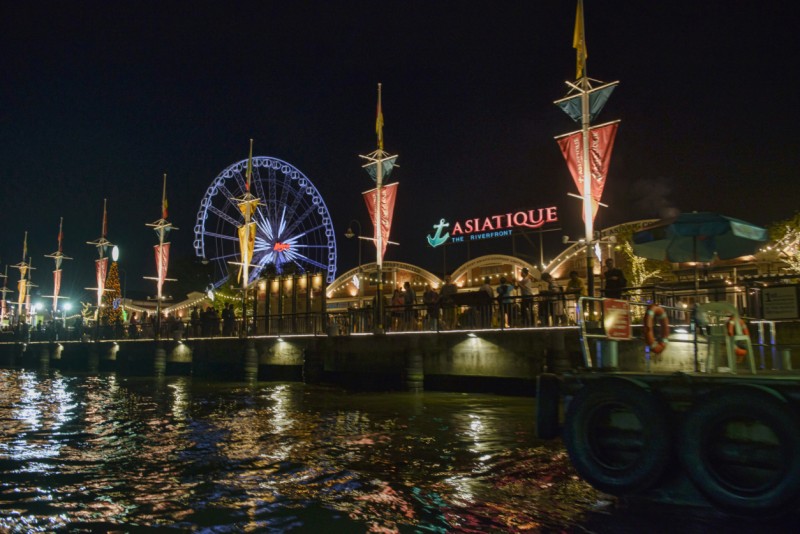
column 740, row 351
column 656, row 315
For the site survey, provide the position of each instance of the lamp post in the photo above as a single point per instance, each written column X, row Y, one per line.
column 349, row 234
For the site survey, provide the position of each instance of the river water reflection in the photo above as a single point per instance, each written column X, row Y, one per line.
column 97, row 453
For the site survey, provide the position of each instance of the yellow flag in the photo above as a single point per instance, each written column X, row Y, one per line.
column 247, row 242
column 249, row 173
column 579, row 42
column 22, row 288
column 164, row 204
column 379, row 121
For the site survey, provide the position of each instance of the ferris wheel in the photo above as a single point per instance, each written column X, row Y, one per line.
column 293, row 227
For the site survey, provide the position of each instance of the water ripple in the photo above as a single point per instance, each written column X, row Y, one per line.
column 87, row 454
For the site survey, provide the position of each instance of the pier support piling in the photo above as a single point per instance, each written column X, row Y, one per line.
column 160, row 361
column 250, row 362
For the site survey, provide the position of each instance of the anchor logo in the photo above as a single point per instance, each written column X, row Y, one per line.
column 438, row 238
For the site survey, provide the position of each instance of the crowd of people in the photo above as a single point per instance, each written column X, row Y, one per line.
column 523, row 302
column 208, row 322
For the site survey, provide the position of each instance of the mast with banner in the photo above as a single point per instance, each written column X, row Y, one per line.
column 247, row 204
column 588, row 150
column 4, row 290
column 58, row 257
column 101, row 263
column 380, row 204
column 162, row 227
column 25, row 268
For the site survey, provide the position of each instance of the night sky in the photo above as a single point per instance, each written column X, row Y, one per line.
column 99, row 99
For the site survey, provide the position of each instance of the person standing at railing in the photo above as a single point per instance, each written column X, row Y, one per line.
column 575, row 285
column 431, row 300
column 228, row 320
column 548, row 306
column 615, row 281
column 195, row 322
column 409, row 301
column 486, row 299
column 504, row 297
column 575, row 289
column 133, row 327
column 397, row 304
column 525, row 286
column 447, row 302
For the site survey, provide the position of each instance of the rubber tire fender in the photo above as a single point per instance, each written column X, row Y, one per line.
column 596, row 401
column 726, row 404
column 548, row 401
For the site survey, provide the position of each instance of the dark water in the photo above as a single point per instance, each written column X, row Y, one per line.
column 94, row 454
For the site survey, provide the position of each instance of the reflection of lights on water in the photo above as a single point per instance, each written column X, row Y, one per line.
column 281, row 420
column 42, row 406
column 478, row 432
column 181, row 399
column 475, row 426
column 462, row 489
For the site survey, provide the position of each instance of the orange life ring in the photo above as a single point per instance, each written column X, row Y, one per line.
column 739, row 350
column 656, row 314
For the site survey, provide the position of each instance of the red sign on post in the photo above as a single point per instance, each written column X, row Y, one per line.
column 617, row 319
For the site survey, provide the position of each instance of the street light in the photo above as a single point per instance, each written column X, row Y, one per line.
column 349, row 234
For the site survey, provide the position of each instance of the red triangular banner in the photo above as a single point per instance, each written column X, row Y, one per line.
column 162, row 261
column 56, row 287
column 601, row 143
column 101, row 266
column 388, row 196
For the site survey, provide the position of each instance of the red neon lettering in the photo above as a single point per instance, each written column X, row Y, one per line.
column 534, row 218
column 281, row 247
column 534, row 222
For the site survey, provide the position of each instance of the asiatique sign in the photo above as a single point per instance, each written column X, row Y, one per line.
column 492, row 226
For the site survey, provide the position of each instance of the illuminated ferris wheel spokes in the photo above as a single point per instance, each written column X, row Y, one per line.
column 284, row 244
column 292, row 223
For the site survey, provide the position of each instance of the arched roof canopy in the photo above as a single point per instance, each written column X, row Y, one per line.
column 472, row 272
column 395, row 274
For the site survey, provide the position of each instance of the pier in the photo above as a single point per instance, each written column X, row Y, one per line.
column 505, row 361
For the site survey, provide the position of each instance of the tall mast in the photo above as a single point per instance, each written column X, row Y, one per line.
column 101, row 264
column 58, row 256
column 579, row 43
column 162, row 227
column 380, row 202
column 4, row 290
column 379, row 185
column 588, row 151
column 247, row 204
column 25, row 269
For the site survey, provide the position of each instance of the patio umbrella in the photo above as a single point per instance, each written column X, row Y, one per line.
column 698, row 237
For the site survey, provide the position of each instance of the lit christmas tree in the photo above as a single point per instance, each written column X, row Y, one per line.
column 111, row 312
